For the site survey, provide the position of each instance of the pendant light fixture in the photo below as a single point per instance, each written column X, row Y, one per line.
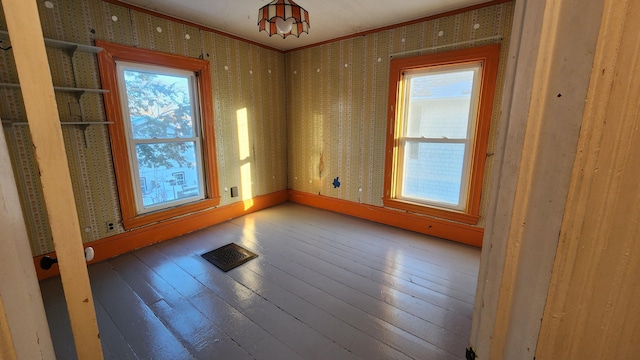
column 284, row 18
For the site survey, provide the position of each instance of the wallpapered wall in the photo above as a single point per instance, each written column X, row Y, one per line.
column 244, row 76
column 337, row 101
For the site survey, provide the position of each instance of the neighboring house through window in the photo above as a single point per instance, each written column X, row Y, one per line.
column 439, row 116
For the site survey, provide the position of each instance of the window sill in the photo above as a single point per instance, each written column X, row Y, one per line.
column 459, row 216
column 160, row 215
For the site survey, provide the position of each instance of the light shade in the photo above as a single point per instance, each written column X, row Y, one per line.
column 283, row 17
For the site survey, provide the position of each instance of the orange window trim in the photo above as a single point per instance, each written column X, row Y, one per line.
column 488, row 56
column 108, row 75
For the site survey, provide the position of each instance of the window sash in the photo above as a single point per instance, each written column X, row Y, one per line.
column 177, row 200
column 133, row 142
column 404, row 184
column 404, row 107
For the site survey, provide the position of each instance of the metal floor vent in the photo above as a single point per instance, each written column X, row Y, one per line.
column 229, row 256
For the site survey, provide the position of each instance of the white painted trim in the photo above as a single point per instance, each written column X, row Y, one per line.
column 525, row 37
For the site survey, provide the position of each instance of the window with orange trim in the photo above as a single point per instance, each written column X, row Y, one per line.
column 162, row 137
column 440, row 109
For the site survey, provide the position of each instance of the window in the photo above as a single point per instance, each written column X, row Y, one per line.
column 160, row 115
column 440, row 111
column 162, row 133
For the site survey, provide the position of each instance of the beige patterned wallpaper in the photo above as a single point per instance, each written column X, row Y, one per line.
column 334, row 128
column 246, row 79
column 337, row 100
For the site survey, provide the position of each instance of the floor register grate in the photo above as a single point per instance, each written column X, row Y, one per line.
column 229, row 256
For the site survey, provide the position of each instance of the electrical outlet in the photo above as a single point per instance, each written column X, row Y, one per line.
column 111, row 226
column 234, row 191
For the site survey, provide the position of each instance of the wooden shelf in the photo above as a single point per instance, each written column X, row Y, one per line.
column 70, row 48
column 85, row 122
column 83, row 90
column 60, row 44
column 61, row 88
column 25, row 123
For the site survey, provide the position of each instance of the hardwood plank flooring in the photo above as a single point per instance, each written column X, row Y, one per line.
column 325, row 286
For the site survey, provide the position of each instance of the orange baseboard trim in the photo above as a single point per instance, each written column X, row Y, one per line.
column 462, row 233
column 137, row 238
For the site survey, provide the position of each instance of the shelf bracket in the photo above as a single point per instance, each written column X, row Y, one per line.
column 84, row 129
column 78, row 94
column 71, row 50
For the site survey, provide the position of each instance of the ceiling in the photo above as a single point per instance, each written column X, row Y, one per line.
column 329, row 19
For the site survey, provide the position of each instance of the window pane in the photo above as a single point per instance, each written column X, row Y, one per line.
column 170, row 172
column 435, row 174
column 439, row 104
column 159, row 105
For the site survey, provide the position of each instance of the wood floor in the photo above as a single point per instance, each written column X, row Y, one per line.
column 325, row 286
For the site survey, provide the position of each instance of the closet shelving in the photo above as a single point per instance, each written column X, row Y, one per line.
column 70, row 48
